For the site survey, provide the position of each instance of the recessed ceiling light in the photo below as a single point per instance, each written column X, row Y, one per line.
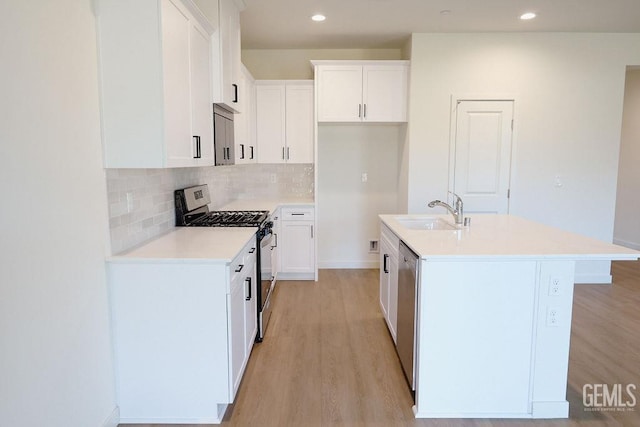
column 527, row 16
column 318, row 17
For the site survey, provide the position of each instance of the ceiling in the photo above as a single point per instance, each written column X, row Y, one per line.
column 380, row 24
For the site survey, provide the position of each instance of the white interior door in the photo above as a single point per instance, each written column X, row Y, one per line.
column 482, row 155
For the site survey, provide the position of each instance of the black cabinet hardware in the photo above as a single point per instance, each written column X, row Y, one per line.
column 240, row 267
column 385, row 268
column 235, row 92
column 248, row 282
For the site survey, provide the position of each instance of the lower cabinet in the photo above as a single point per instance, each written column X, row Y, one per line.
column 389, row 278
column 297, row 243
column 183, row 332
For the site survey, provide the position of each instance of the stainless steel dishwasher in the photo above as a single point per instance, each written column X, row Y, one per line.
column 407, row 291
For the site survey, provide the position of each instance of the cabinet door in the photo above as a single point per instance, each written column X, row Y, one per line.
column 299, row 123
column 250, row 309
column 270, row 123
column 392, row 311
column 177, row 103
column 384, row 93
column 244, row 122
column 339, row 93
column 384, row 279
column 237, row 347
column 298, row 248
column 201, row 101
column 228, row 63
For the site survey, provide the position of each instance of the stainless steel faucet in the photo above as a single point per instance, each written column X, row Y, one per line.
column 458, row 212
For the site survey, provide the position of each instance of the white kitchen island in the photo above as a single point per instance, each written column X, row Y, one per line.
column 493, row 313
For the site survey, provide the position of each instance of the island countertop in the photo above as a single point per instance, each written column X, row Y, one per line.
column 504, row 236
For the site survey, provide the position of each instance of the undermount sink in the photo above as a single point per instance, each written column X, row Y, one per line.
column 424, row 223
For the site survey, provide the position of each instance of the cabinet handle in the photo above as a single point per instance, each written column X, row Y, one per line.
column 359, row 110
column 288, row 153
column 312, row 231
column 276, row 245
column 248, row 282
column 384, row 263
column 297, row 213
column 251, row 146
column 228, row 150
column 235, row 92
column 364, row 111
column 240, row 267
column 282, row 153
column 241, row 151
column 198, row 154
column 252, row 250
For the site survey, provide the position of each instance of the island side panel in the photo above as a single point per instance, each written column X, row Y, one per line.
column 552, row 339
column 475, row 344
column 169, row 323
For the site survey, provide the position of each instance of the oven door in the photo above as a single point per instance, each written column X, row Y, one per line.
column 266, row 281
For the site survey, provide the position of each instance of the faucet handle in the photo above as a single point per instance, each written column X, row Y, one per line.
column 458, row 198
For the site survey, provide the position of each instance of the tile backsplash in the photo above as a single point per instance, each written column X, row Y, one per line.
column 141, row 203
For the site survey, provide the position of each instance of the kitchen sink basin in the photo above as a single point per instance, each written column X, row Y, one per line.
column 424, row 223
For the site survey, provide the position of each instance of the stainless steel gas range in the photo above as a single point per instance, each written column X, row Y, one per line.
column 192, row 210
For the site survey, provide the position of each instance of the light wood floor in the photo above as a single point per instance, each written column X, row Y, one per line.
column 328, row 359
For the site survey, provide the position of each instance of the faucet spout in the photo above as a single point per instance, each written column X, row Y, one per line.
column 458, row 212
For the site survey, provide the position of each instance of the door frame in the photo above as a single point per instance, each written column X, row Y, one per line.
column 453, row 116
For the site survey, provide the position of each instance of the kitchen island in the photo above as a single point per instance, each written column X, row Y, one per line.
column 492, row 314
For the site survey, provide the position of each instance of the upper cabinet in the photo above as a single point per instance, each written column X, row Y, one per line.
column 284, row 121
column 155, row 78
column 362, row 91
column 227, row 70
column 245, row 138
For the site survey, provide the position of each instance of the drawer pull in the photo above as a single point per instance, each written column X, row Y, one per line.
column 252, row 250
column 240, row 267
column 297, row 214
column 248, row 282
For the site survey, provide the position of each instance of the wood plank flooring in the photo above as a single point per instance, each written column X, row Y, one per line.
column 328, row 358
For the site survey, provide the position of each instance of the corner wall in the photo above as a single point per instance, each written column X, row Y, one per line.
column 569, row 92
column 56, row 365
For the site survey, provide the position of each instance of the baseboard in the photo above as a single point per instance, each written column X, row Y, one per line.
column 605, row 279
column 627, row 244
column 114, row 418
column 296, row 276
column 331, row 265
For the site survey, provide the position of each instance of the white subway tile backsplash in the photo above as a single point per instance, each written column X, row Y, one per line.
column 151, row 190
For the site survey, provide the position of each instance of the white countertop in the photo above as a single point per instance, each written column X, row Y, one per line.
column 191, row 244
column 264, row 204
column 504, row 236
column 204, row 244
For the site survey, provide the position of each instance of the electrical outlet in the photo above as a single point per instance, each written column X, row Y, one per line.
column 373, row 246
column 555, row 286
column 553, row 318
column 365, row 177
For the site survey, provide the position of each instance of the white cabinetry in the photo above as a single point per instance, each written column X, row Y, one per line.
column 284, row 121
column 227, row 61
column 183, row 333
column 245, row 138
column 243, row 312
column 362, row 91
column 297, row 243
column 155, row 68
column 389, row 244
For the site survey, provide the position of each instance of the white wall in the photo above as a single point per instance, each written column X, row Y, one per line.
column 568, row 90
column 55, row 351
column 348, row 208
column 627, row 223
